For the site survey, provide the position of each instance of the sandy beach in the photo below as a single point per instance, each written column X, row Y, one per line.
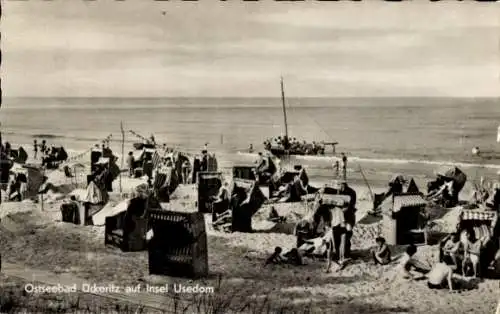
column 38, row 240
column 395, row 89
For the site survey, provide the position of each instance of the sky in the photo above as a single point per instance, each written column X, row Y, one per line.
column 146, row 48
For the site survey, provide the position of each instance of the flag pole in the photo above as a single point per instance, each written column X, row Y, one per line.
column 123, row 148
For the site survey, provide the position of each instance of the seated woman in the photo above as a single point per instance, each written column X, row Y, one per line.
column 381, row 254
column 297, row 190
column 221, row 201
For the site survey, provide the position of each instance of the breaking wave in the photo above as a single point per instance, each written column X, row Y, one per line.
column 331, row 159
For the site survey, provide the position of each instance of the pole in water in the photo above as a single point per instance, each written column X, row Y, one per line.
column 367, row 184
column 123, row 144
column 284, row 109
column 222, row 138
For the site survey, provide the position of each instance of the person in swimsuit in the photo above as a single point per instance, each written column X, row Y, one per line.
column 349, row 214
column 472, row 253
column 338, row 232
column 35, row 148
column 451, row 246
column 409, row 262
column 440, row 276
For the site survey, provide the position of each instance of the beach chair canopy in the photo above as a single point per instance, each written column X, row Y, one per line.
column 452, row 173
column 329, row 190
column 94, row 194
column 478, row 215
column 334, row 199
column 103, row 161
column 137, row 154
column 19, row 155
column 99, row 219
column 408, row 183
column 243, row 183
column 288, row 176
column 61, row 153
column 79, row 194
column 483, row 223
column 397, row 179
column 244, row 172
column 75, row 164
column 459, row 178
column 405, row 201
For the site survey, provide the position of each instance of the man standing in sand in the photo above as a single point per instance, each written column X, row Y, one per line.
column 344, row 166
column 336, row 237
column 130, row 164
column 204, row 160
column 349, row 214
column 35, row 148
column 185, row 171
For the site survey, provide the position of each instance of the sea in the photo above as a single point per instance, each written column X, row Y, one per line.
column 382, row 135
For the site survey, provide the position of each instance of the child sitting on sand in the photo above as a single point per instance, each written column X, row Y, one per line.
column 278, row 257
column 381, row 254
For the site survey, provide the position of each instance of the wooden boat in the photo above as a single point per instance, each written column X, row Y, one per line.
column 286, row 148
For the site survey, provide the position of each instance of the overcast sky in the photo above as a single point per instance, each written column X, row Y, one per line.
column 153, row 49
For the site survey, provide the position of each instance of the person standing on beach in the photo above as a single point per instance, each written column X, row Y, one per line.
column 336, row 168
column 349, row 214
column 35, row 148
column 344, row 166
column 336, row 240
column 43, row 147
column 204, row 160
column 185, row 171
column 130, row 164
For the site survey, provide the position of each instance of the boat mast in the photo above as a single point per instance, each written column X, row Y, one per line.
column 284, row 109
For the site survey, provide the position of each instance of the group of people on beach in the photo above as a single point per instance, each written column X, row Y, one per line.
column 294, row 145
column 15, row 184
column 44, row 149
column 335, row 226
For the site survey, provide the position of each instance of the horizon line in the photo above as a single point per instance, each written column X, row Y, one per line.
column 249, row 97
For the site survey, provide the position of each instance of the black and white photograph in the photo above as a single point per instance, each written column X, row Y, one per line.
column 250, row 156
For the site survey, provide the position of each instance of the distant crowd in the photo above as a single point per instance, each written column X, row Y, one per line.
column 295, row 145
